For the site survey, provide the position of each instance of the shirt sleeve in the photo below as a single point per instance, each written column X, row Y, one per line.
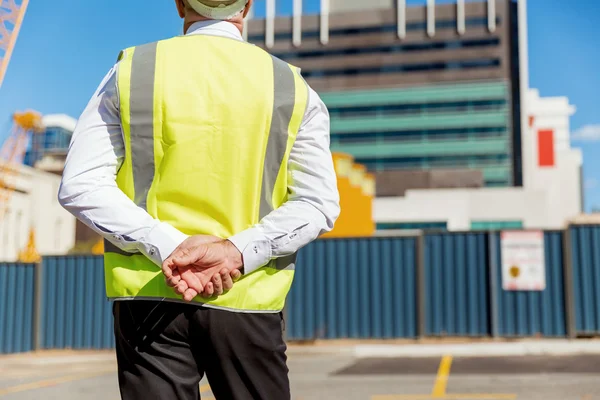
column 313, row 203
column 89, row 190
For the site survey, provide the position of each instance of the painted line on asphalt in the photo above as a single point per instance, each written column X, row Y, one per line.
column 474, row 396
column 54, row 382
column 441, row 381
column 205, row 388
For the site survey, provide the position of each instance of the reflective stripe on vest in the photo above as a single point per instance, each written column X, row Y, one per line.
column 162, row 145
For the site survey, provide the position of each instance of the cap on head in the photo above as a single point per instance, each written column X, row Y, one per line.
column 218, row 9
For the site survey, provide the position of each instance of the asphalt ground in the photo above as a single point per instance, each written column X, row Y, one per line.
column 92, row 376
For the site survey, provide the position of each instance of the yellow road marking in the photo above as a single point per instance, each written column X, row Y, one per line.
column 55, row 381
column 205, row 388
column 475, row 396
column 441, row 382
column 481, row 396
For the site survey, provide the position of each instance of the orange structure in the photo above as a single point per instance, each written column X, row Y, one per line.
column 357, row 191
column 11, row 19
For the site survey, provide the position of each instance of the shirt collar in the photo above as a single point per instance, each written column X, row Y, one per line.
column 215, row 28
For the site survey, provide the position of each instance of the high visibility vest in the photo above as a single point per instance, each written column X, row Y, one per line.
column 208, row 125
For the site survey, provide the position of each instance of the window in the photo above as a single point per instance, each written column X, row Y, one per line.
column 417, row 108
column 397, row 48
column 387, row 226
column 495, row 225
column 391, row 162
column 389, row 28
column 390, row 69
column 53, row 139
column 416, row 135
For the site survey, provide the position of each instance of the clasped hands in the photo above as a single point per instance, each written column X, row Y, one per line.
column 203, row 265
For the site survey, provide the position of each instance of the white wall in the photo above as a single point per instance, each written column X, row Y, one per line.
column 550, row 113
column 459, row 207
column 34, row 204
column 551, row 196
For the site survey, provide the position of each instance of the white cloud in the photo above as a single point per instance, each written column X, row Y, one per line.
column 588, row 133
column 591, row 183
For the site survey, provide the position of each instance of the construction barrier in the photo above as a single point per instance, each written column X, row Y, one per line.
column 425, row 285
column 457, row 285
column 354, row 288
column 17, row 302
column 75, row 312
column 584, row 242
column 523, row 314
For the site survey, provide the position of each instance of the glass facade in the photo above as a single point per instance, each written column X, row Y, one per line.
column 495, row 225
column 440, row 126
column 447, row 100
column 52, row 140
column 443, row 226
column 385, row 28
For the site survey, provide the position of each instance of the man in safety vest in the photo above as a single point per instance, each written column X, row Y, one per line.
column 203, row 161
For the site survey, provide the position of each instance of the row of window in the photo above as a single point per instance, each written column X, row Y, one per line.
column 467, row 160
column 389, row 226
column 417, row 108
column 391, row 69
column 443, row 226
column 53, row 139
column 387, row 28
column 396, row 48
column 373, row 137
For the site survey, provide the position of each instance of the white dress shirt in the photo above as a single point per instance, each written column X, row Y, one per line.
column 89, row 190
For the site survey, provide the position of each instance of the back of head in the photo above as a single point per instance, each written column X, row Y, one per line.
column 218, row 9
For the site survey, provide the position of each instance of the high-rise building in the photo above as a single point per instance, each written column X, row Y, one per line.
column 418, row 88
column 435, row 101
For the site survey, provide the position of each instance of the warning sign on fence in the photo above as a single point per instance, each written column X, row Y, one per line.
column 523, row 263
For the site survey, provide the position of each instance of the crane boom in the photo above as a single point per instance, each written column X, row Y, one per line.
column 11, row 19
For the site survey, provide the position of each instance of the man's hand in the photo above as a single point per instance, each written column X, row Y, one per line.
column 203, row 265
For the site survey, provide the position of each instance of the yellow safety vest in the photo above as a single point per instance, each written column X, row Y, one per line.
column 208, row 125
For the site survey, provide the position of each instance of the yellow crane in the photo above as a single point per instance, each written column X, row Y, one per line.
column 25, row 125
column 12, row 13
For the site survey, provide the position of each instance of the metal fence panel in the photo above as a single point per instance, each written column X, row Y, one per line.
column 530, row 313
column 585, row 242
column 354, row 288
column 17, row 288
column 75, row 311
column 456, row 276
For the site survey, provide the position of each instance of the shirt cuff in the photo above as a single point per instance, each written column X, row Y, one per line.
column 161, row 241
column 256, row 252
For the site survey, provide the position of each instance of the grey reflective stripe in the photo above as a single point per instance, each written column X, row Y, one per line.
column 111, row 248
column 143, row 67
column 286, row 263
column 283, row 108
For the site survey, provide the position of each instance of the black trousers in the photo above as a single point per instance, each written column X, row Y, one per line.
column 164, row 349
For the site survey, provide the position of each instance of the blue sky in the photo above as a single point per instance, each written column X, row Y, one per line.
column 67, row 46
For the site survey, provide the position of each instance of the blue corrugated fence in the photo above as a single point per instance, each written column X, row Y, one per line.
column 75, row 313
column 585, row 250
column 542, row 313
column 456, row 276
column 355, row 288
column 17, row 288
column 446, row 284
